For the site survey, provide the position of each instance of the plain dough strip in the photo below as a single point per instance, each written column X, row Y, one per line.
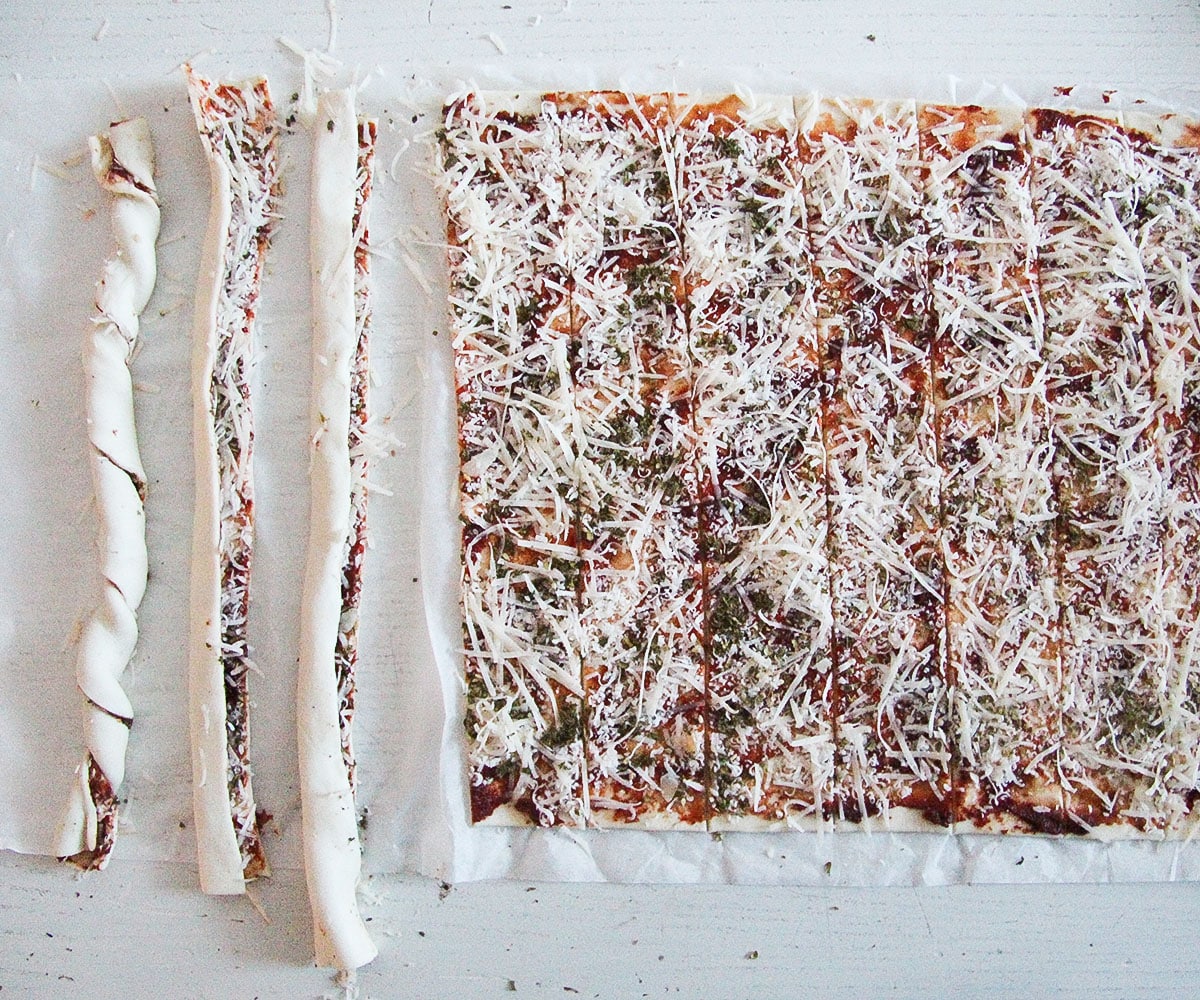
column 123, row 164
column 341, row 182
column 238, row 127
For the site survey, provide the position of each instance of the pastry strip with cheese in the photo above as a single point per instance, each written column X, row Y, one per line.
column 761, row 462
column 1094, row 188
column 341, row 184
column 123, row 164
column 513, row 347
column 1170, row 250
column 996, row 451
column 238, row 129
column 863, row 188
column 641, row 585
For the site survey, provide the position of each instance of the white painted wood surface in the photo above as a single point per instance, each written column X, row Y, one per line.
column 141, row 928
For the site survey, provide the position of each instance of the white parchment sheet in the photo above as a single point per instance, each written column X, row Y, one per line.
column 54, row 236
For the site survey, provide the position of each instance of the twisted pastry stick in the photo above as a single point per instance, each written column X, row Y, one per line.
column 342, row 178
column 123, row 162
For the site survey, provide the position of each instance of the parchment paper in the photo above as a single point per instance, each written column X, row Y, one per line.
column 52, row 244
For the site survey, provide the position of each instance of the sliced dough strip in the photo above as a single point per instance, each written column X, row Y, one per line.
column 864, row 192
column 239, row 131
column 1170, row 253
column 1095, row 187
column 341, row 184
column 761, row 462
column 642, row 588
column 510, row 311
column 996, row 449
column 359, row 451
column 123, row 164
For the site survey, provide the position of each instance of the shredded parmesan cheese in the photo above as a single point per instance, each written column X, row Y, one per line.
column 826, row 460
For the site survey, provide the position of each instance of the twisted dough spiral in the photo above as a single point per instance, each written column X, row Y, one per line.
column 123, row 163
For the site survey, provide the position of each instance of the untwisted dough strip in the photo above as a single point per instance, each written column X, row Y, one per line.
column 342, row 176
column 238, row 126
column 123, row 163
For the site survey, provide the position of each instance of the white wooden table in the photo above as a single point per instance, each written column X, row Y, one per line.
column 142, row 929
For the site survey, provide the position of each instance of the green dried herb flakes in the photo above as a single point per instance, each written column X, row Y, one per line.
column 727, row 619
column 567, row 730
column 650, row 285
column 761, row 601
column 527, row 311
column 727, row 146
column 759, row 221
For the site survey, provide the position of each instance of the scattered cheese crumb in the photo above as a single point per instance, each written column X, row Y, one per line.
column 317, row 66
column 331, row 9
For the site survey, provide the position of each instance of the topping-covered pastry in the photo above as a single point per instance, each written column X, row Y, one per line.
column 239, row 131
